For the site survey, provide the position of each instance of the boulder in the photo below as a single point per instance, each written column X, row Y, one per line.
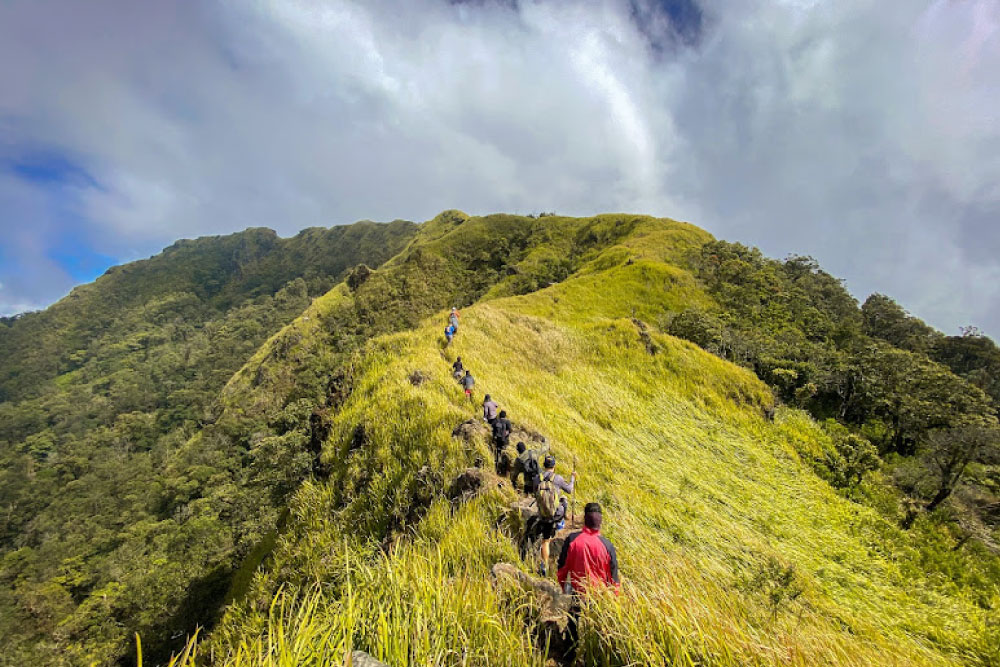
column 362, row 659
column 553, row 603
column 473, row 482
column 554, row 607
column 471, row 430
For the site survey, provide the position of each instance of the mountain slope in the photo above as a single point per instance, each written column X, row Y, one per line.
column 100, row 389
column 312, row 491
column 734, row 551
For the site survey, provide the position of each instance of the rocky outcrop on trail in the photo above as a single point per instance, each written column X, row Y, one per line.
column 362, row 659
column 473, row 482
column 554, row 606
column 471, row 430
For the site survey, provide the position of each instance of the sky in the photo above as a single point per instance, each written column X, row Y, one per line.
column 865, row 133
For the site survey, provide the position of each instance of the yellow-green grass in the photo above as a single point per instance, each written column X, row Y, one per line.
column 732, row 551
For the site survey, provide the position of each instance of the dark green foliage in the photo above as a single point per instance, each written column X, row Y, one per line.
column 974, row 357
column 109, row 520
column 945, row 456
column 908, row 395
column 189, row 282
column 896, row 383
column 886, row 320
column 852, row 458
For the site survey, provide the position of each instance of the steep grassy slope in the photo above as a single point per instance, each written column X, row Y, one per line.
column 733, row 551
column 147, row 531
column 98, row 392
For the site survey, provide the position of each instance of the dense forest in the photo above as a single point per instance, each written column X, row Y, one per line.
column 161, row 427
column 923, row 401
column 105, row 529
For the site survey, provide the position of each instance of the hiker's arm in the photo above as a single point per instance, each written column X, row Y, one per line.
column 561, row 482
column 614, row 560
column 544, row 449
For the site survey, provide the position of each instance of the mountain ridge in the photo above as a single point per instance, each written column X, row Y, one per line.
column 315, row 410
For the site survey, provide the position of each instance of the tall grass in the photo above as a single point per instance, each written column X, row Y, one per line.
column 733, row 552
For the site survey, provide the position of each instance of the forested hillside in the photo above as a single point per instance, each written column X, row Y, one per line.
column 803, row 480
column 100, row 533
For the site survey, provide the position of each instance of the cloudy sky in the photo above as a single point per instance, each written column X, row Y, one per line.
column 865, row 133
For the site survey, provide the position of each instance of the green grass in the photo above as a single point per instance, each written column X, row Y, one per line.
column 733, row 551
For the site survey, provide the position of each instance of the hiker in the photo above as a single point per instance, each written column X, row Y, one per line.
column 449, row 333
column 587, row 560
column 527, row 464
column 468, row 382
column 489, row 410
column 501, row 437
column 453, row 318
column 551, row 507
column 457, row 369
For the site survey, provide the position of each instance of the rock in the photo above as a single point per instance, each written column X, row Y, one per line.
column 473, row 482
column 554, row 608
column 526, row 435
column 362, row 659
column 554, row 605
column 470, row 430
column 418, row 377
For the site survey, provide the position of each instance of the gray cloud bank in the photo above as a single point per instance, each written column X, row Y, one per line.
column 865, row 133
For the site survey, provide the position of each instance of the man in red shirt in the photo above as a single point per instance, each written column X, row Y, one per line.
column 588, row 558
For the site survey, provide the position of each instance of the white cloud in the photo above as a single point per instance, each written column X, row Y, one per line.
column 862, row 132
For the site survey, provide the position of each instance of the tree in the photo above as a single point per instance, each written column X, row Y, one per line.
column 911, row 395
column 947, row 453
column 973, row 357
column 885, row 319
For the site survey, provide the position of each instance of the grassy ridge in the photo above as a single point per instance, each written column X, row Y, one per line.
column 733, row 551
column 103, row 530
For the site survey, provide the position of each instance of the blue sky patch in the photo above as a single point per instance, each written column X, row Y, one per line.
column 78, row 258
column 47, row 169
column 684, row 16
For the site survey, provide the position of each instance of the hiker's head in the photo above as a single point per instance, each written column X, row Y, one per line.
column 520, row 448
column 503, row 414
column 487, row 398
column 592, row 516
column 549, row 462
column 459, row 359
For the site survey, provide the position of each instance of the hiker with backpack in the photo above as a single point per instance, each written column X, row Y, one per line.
column 502, row 428
column 453, row 318
column 551, row 506
column 527, row 464
column 468, row 382
column 457, row 369
column 490, row 410
column 449, row 333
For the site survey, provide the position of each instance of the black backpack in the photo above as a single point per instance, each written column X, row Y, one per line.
column 532, row 474
column 501, row 431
